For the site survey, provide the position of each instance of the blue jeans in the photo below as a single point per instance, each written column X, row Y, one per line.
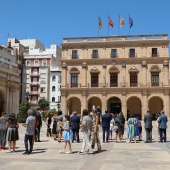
column 30, row 138
column 106, row 131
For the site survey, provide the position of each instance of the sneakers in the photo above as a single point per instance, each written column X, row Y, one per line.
column 91, row 152
column 26, row 153
column 81, row 153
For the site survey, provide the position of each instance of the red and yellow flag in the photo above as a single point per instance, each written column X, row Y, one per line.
column 122, row 22
column 110, row 22
column 100, row 23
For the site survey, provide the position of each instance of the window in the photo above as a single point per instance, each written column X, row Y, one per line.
column 36, row 62
column 42, row 89
column 53, row 99
column 132, row 52
column 59, row 79
column 53, row 88
column 27, row 62
column 155, row 78
column 95, row 54
column 133, row 79
column 54, row 78
column 44, row 62
column 27, row 71
column 113, row 53
column 34, row 80
column 94, row 80
column 43, row 70
column 27, row 80
column 154, row 52
column 35, row 71
column 74, row 54
column 74, row 80
column 114, row 80
column 34, row 99
column 42, row 80
column 35, row 89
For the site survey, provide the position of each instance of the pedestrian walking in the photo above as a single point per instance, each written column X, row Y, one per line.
column 39, row 125
column 67, row 135
column 86, row 127
column 48, row 123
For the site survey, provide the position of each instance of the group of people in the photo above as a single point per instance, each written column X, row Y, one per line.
column 69, row 127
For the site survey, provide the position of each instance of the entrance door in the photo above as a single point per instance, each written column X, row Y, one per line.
column 115, row 108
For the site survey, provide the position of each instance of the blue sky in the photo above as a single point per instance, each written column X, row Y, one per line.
column 50, row 21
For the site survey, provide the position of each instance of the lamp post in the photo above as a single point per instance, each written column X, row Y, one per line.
column 27, row 94
column 58, row 105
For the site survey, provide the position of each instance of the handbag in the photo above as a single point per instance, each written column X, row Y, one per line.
column 115, row 128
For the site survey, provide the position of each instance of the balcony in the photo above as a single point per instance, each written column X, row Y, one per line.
column 132, row 55
column 94, row 55
column 35, row 74
column 75, row 56
column 34, row 93
column 114, row 55
column 154, row 54
column 34, row 84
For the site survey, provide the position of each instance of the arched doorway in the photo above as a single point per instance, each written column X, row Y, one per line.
column 114, row 105
column 74, row 104
column 93, row 103
column 134, row 107
column 155, row 105
column 1, row 103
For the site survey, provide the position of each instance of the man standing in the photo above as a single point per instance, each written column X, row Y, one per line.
column 39, row 125
column 162, row 126
column 148, row 126
column 75, row 126
column 106, row 125
column 30, row 129
column 86, row 129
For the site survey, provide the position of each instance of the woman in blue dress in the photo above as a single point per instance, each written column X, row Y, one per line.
column 131, row 133
column 67, row 135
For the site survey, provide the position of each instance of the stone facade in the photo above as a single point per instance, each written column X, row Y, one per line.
column 117, row 73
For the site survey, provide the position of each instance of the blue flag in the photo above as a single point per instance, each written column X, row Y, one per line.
column 130, row 21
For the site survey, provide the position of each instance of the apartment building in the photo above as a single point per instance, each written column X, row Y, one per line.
column 117, row 73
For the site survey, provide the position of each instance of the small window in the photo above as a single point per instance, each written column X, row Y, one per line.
column 53, row 89
column 154, row 52
column 28, row 62
column 42, row 89
column 95, row 54
column 155, row 78
column 132, row 52
column 54, row 78
column 36, row 62
column 74, row 54
column 133, row 79
column 35, row 89
column 44, row 62
column 113, row 53
column 94, row 80
column 53, row 99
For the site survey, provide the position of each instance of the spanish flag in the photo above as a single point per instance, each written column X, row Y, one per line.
column 122, row 22
column 110, row 22
column 100, row 23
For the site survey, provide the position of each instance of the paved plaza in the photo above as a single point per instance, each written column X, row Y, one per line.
column 118, row 156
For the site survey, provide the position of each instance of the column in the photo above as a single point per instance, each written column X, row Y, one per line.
column 104, row 102
column 145, row 105
column 166, row 104
column 64, row 108
column 144, row 74
column 7, row 101
column 165, row 73
column 84, row 76
column 84, row 104
column 64, row 75
column 104, row 75
column 124, row 105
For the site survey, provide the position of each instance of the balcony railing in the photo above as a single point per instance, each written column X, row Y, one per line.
column 114, row 55
column 34, row 93
column 155, row 55
column 132, row 55
column 94, row 55
column 117, row 85
column 35, row 74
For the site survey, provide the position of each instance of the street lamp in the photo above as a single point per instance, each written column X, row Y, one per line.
column 58, row 105
column 27, row 94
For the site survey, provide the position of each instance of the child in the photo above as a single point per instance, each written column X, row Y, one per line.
column 67, row 134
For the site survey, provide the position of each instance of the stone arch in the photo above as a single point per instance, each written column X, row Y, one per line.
column 155, row 105
column 73, row 104
column 74, row 70
column 155, row 68
column 134, row 106
column 114, row 105
column 94, row 102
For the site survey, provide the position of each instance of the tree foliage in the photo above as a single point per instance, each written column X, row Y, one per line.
column 43, row 104
column 23, row 112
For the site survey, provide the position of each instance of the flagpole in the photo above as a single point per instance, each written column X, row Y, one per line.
column 129, row 24
column 108, row 25
column 119, row 24
column 98, row 25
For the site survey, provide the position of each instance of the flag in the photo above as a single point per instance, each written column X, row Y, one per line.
column 110, row 22
column 122, row 22
column 130, row 21
column 100, row 23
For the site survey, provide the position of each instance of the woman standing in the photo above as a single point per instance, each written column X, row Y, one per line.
column 131, row 133
column 67, row 135
column 53, row 125
column 118, row 128
column 12, row 132
column 3, row 130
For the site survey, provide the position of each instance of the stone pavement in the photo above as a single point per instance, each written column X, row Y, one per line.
column 119, row 156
